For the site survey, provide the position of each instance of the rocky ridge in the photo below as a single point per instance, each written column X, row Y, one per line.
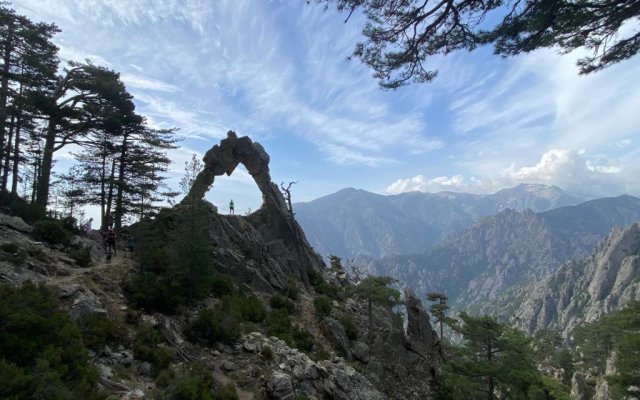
column 479, row 264
column 585, row 290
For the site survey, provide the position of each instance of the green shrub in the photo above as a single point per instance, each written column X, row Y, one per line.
column 193, row 383
column 10, row 248
column 267, row 353
column 303, row 339
column 290, row 290
column 211, row 326
column 51, row 231
column 221, row 285
column 317, row 280
column 279, row 325
column 38, row 254
column 42, row 355
column 24, row 209
column 350, row 328
column 279, row 301
column 147, row 347
column 252, row 309
column 154, row 291
column 320, row 354
column 82, row 255
column 323, row 306
column 98, row 331
column 70, row 224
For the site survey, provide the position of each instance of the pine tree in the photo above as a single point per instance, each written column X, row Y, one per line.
column 493, row 358
column 402, row 36
column 29, row 64
column 83, row 100
column 439, row 310
column 375, row 289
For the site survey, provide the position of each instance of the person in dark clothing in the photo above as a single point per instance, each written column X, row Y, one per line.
column 231, row 207
column 108, row 219
column 111, row 241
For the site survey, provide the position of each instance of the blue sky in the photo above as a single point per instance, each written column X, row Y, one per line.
column 278, row 72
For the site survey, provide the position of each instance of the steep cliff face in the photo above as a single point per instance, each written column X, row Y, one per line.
column 585, row 290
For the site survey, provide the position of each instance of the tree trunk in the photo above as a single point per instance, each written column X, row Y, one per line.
column 120, row 188
column 490, row 384
column 44, row 179
column 7, row 155
column 4, row 85
column 110, row 195
column 370, row 324
column 103, row 193
column 16, row 147
column 16, row 159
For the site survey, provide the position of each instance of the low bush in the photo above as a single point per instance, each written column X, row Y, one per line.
column 42, row 355
column 211, row 326
column 21, row 208
column 279, row 325
column 82, row 255
column 303, row 339
column 267, row 353
column 290, row 290
column 147, row 347
column 51, row 231
column 251, row 308
column 98, row 331
column 350, row 328
column 195, row 382
column 222, row 285
column 323, row 306
column 279, row 301
column 10, row 248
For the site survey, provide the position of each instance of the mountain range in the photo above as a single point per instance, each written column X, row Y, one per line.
column 478, row 264
column 355, row 222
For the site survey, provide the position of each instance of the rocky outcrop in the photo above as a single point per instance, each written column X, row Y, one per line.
column 586, row 290
column 293, row 373
column 223, row 158
column 402, row 364
column 263, row 249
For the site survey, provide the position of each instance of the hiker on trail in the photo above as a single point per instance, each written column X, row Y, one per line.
column 231, row 206
column 108, row 219
column 111, row 241
column 131, row 243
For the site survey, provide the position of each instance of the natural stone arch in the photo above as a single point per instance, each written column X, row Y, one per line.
column 223, row 158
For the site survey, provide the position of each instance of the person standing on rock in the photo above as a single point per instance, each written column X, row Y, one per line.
column 231, row 207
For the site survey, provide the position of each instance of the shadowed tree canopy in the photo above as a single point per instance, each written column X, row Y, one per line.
column 402, row 35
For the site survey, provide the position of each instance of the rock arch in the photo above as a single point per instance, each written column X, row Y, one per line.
column 223, row 158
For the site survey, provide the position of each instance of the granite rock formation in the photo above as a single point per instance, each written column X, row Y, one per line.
column 223, row 158
column 585, row 291
column 267, row 247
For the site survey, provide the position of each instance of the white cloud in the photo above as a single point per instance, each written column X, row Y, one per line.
column 421, row 183
column 573, row 170
column 139, row 82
